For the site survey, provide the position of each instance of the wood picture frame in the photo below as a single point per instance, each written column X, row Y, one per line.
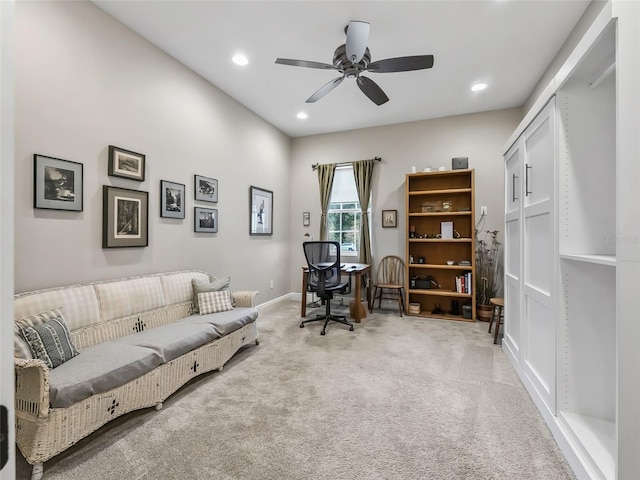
column 57, row 184
column 205, row 188
column 389, row 218
column 205, row 220
column 126, row 164
column 260, row 211
column 172, row 199
column 125, row 217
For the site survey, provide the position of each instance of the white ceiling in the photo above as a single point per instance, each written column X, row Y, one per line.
column 507, row 44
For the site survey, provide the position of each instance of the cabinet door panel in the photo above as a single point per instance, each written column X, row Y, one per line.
column 512, row 317
column 513, row 179
column 539, row 252
column 539, row 157
column 540, row 352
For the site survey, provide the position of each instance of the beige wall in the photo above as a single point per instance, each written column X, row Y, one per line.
column 479, row 136
column 85, row 81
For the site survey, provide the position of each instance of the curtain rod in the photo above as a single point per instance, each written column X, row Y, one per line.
column 315, row 166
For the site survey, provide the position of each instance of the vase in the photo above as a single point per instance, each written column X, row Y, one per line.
column 484, row 312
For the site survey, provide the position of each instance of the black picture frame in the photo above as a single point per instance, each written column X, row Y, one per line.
column 125, row 217
column 57, row 184
column 172, row 199
column 205, row 220
column 126, row 164
column 260, row 211
column 205, row 189
column 389, row 218
column 306, row 219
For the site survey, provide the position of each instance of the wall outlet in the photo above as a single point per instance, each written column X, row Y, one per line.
column 483, row 210
column 271, row 284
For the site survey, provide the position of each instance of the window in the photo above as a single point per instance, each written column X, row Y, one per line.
column 344, row 216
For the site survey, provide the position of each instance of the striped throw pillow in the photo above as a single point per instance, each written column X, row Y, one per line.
column 213, row 302
column 49, row 341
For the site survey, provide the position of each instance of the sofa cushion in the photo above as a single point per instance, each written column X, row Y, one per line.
column 50, row 341
column 98, row 369
column 172, row 340
column 123, row 298
column 177, row 287
column 20, row 345
column 214, row 302
column 225, row 322
column 201, row 287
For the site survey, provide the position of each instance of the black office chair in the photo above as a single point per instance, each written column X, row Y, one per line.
column 324, row 278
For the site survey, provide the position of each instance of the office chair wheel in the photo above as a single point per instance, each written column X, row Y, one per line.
column 351, row 328
column 322, row 332
column 302, row 325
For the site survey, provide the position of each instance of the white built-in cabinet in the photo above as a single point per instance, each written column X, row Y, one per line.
column 562, row 234
column 530, row 248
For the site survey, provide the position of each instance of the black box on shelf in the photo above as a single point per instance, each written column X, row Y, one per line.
column 459, row 163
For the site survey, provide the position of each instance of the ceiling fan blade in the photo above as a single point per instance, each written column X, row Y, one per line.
column 304, row 63
column 357, row 38
column 326, row 88
column 372, row 90
column 401, row 64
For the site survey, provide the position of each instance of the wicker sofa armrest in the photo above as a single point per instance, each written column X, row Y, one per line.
column 244, row 298
column 32, row 389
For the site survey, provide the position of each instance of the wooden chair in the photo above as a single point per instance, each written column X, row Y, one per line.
column 498, row 314
column 390, row 277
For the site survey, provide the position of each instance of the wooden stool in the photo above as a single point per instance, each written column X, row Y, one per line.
column 498, row 307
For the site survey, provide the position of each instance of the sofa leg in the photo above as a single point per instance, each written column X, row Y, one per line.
column 257, row 341
column 38, row 471
column 221, row 368
column 159, row 406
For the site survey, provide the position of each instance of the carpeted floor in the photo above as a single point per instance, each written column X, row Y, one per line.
column 398, row 398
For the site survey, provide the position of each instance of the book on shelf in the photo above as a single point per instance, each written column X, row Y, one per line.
column 463, row 283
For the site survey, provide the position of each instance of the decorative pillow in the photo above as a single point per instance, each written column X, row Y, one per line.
column 50, row 341
column 201, row 287
column 213, row 302
column 20, row 347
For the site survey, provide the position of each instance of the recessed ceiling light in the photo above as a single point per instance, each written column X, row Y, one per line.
column 240, row 59
column 302, row 115
column 478, row 86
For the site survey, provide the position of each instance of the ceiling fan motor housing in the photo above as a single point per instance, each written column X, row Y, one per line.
column 344, row 65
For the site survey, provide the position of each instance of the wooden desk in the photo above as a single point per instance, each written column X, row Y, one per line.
column 358, row 270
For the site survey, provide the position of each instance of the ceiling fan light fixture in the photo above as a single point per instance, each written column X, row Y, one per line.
column 240, row 59
column 477, row 87
column 302, row 115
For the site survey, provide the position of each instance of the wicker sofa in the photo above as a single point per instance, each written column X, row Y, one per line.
column 150, row 318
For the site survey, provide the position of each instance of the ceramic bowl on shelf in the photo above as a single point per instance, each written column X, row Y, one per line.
column 450, row 262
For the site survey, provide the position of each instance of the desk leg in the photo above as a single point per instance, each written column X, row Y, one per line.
column 357, row 310
column 303, row 302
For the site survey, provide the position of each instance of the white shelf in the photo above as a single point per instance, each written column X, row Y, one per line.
column 609, row 260
column 597, row 438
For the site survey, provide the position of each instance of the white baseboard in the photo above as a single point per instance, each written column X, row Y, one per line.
column 285, row 297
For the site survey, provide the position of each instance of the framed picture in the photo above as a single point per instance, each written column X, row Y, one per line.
column 205, row 220
column 306, row 219
column 125, row 217
column 57, row 184
column 206, row 189
column 260, row 211
column 171, row 199
column 126, row 164
column 389, row 218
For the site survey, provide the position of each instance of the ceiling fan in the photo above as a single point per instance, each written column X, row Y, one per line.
column 353, row 58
